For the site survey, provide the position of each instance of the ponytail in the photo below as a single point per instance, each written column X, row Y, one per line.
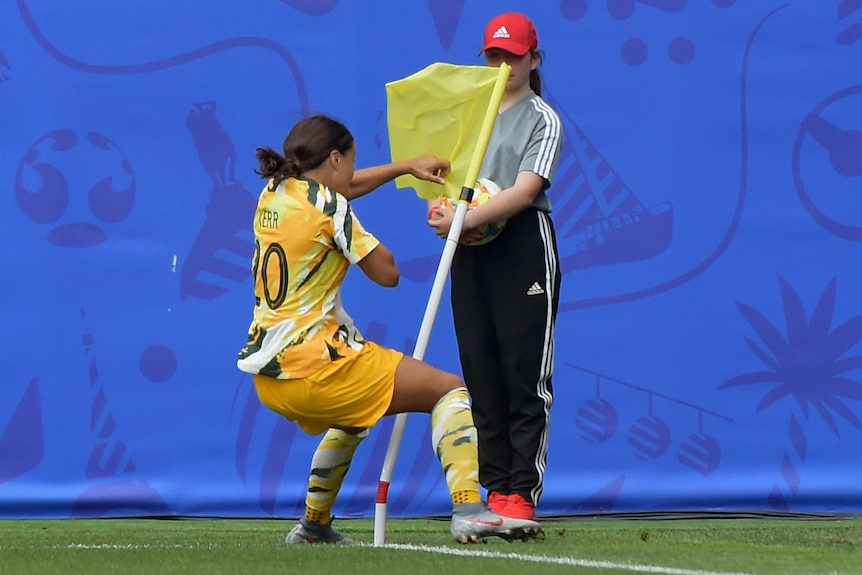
column 535, row 76
column 272, row 165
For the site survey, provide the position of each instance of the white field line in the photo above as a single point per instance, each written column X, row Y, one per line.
column 589, row 563
column 558, row 560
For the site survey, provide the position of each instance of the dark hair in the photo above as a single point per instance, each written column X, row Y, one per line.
column 308, row 145
column 535, row 76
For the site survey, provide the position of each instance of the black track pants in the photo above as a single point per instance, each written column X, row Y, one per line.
column 504, row 300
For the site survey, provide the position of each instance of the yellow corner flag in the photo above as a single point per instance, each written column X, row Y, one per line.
column 448, row 111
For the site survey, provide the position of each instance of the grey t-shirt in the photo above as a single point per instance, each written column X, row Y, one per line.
column 526, row 137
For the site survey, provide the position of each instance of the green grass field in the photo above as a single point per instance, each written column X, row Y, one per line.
column 417, row 547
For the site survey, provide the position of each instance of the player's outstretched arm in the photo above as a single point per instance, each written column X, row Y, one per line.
column 424, row 167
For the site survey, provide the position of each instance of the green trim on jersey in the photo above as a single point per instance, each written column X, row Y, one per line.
column 306, row 238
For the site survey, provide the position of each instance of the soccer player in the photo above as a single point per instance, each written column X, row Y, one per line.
column 309, row 361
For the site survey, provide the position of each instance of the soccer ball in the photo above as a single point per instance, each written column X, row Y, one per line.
column 75, row 182
column 484, row 189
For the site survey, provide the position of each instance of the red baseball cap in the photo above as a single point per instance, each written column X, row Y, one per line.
column 512, row 32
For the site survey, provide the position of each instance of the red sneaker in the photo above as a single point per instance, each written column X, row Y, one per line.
column 497, row 502
column 519, row 508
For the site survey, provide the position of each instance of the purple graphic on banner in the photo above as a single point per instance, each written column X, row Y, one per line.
column 62, row 173
column 701, row 453
column 658, row 217
column 165, row 63
column 313, row 7
column 788, row 469
column 634, row 52
column 109, row 455
column 228, row 212
column 597, row 419
column 227, row 230
column 807, row 366
column 214, row 146
column 840, row 179
column 602, row 501
column 121, row 499
column 681, row 50
column 4, row 67
column 649, row 436
column 110, row 458
column 158, row 363
column 599, row 219
column 573, row 9
column 853, row 33
column 844, row 146
column 623, row 9
column 420, row 269
column 22, row 444
column 446, row 15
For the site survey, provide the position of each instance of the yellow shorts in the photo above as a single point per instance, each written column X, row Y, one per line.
column 351, row 392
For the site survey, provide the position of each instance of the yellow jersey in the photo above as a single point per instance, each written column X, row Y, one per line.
column 306, row 237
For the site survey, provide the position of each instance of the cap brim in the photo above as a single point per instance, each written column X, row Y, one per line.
column 515, row 48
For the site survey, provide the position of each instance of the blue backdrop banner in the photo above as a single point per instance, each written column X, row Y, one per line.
column 708, row 206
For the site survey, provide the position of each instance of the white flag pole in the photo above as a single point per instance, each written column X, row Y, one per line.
column 452, row 238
